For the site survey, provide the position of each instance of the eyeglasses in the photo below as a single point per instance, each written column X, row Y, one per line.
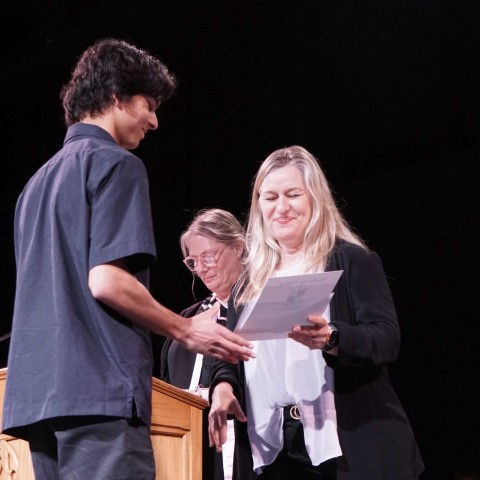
column 209, row 260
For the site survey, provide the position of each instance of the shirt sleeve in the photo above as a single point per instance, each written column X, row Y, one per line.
column 121, row 222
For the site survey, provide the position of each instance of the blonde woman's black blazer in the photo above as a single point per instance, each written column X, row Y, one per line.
column 374, row 432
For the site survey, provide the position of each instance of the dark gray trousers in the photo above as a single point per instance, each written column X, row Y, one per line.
column 93, row 448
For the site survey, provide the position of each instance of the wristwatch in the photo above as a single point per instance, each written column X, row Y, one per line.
column 333, row 338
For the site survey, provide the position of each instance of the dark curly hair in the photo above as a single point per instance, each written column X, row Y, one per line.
column 113, row 67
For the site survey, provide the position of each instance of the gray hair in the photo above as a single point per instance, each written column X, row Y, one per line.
column 215, row 224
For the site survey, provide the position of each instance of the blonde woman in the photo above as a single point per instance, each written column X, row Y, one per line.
column 319, row 403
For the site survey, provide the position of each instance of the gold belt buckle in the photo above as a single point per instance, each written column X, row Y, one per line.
column 294, row 412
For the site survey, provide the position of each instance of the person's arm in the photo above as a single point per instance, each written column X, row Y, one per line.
column 226, row 395
column 365, row 312
column 314, row 336
column 222, row 404
column 113, row 285
column 368, row 334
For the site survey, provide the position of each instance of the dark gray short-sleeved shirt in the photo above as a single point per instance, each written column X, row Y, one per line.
column 69, row 354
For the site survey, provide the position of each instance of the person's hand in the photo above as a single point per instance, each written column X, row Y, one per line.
column 312, row 336
column 223, row 403
column 208, row 337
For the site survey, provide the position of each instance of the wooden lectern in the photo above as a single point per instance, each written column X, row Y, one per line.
column 176, row 434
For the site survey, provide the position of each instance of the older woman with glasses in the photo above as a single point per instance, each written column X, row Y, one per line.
column 213, row 249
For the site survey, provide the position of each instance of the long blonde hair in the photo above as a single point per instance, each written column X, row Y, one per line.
column 325, row 227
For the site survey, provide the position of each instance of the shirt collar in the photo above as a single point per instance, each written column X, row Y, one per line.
column 86, row 129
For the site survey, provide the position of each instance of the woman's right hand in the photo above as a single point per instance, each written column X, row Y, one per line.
column 223, row 403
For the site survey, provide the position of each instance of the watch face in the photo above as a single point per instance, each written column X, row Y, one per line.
column 334, row 338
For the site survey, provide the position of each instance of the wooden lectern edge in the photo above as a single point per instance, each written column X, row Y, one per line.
column 157, row 385
column 179, row 394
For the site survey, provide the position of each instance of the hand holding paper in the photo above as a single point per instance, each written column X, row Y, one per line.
column 285, row 302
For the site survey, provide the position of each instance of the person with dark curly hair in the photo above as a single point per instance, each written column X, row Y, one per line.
column 80, row 361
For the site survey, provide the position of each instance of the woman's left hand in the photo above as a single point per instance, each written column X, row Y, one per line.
column 223, row 403
column 312, row 336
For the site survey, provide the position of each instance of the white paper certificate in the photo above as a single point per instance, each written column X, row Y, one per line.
column 285, row 302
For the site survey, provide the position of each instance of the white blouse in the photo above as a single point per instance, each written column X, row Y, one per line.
column 286, row 372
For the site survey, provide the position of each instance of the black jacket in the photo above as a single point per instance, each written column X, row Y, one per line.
column 176, row 362
column 375, row 435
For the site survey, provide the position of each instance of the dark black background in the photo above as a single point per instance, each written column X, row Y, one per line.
column 384, row 93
